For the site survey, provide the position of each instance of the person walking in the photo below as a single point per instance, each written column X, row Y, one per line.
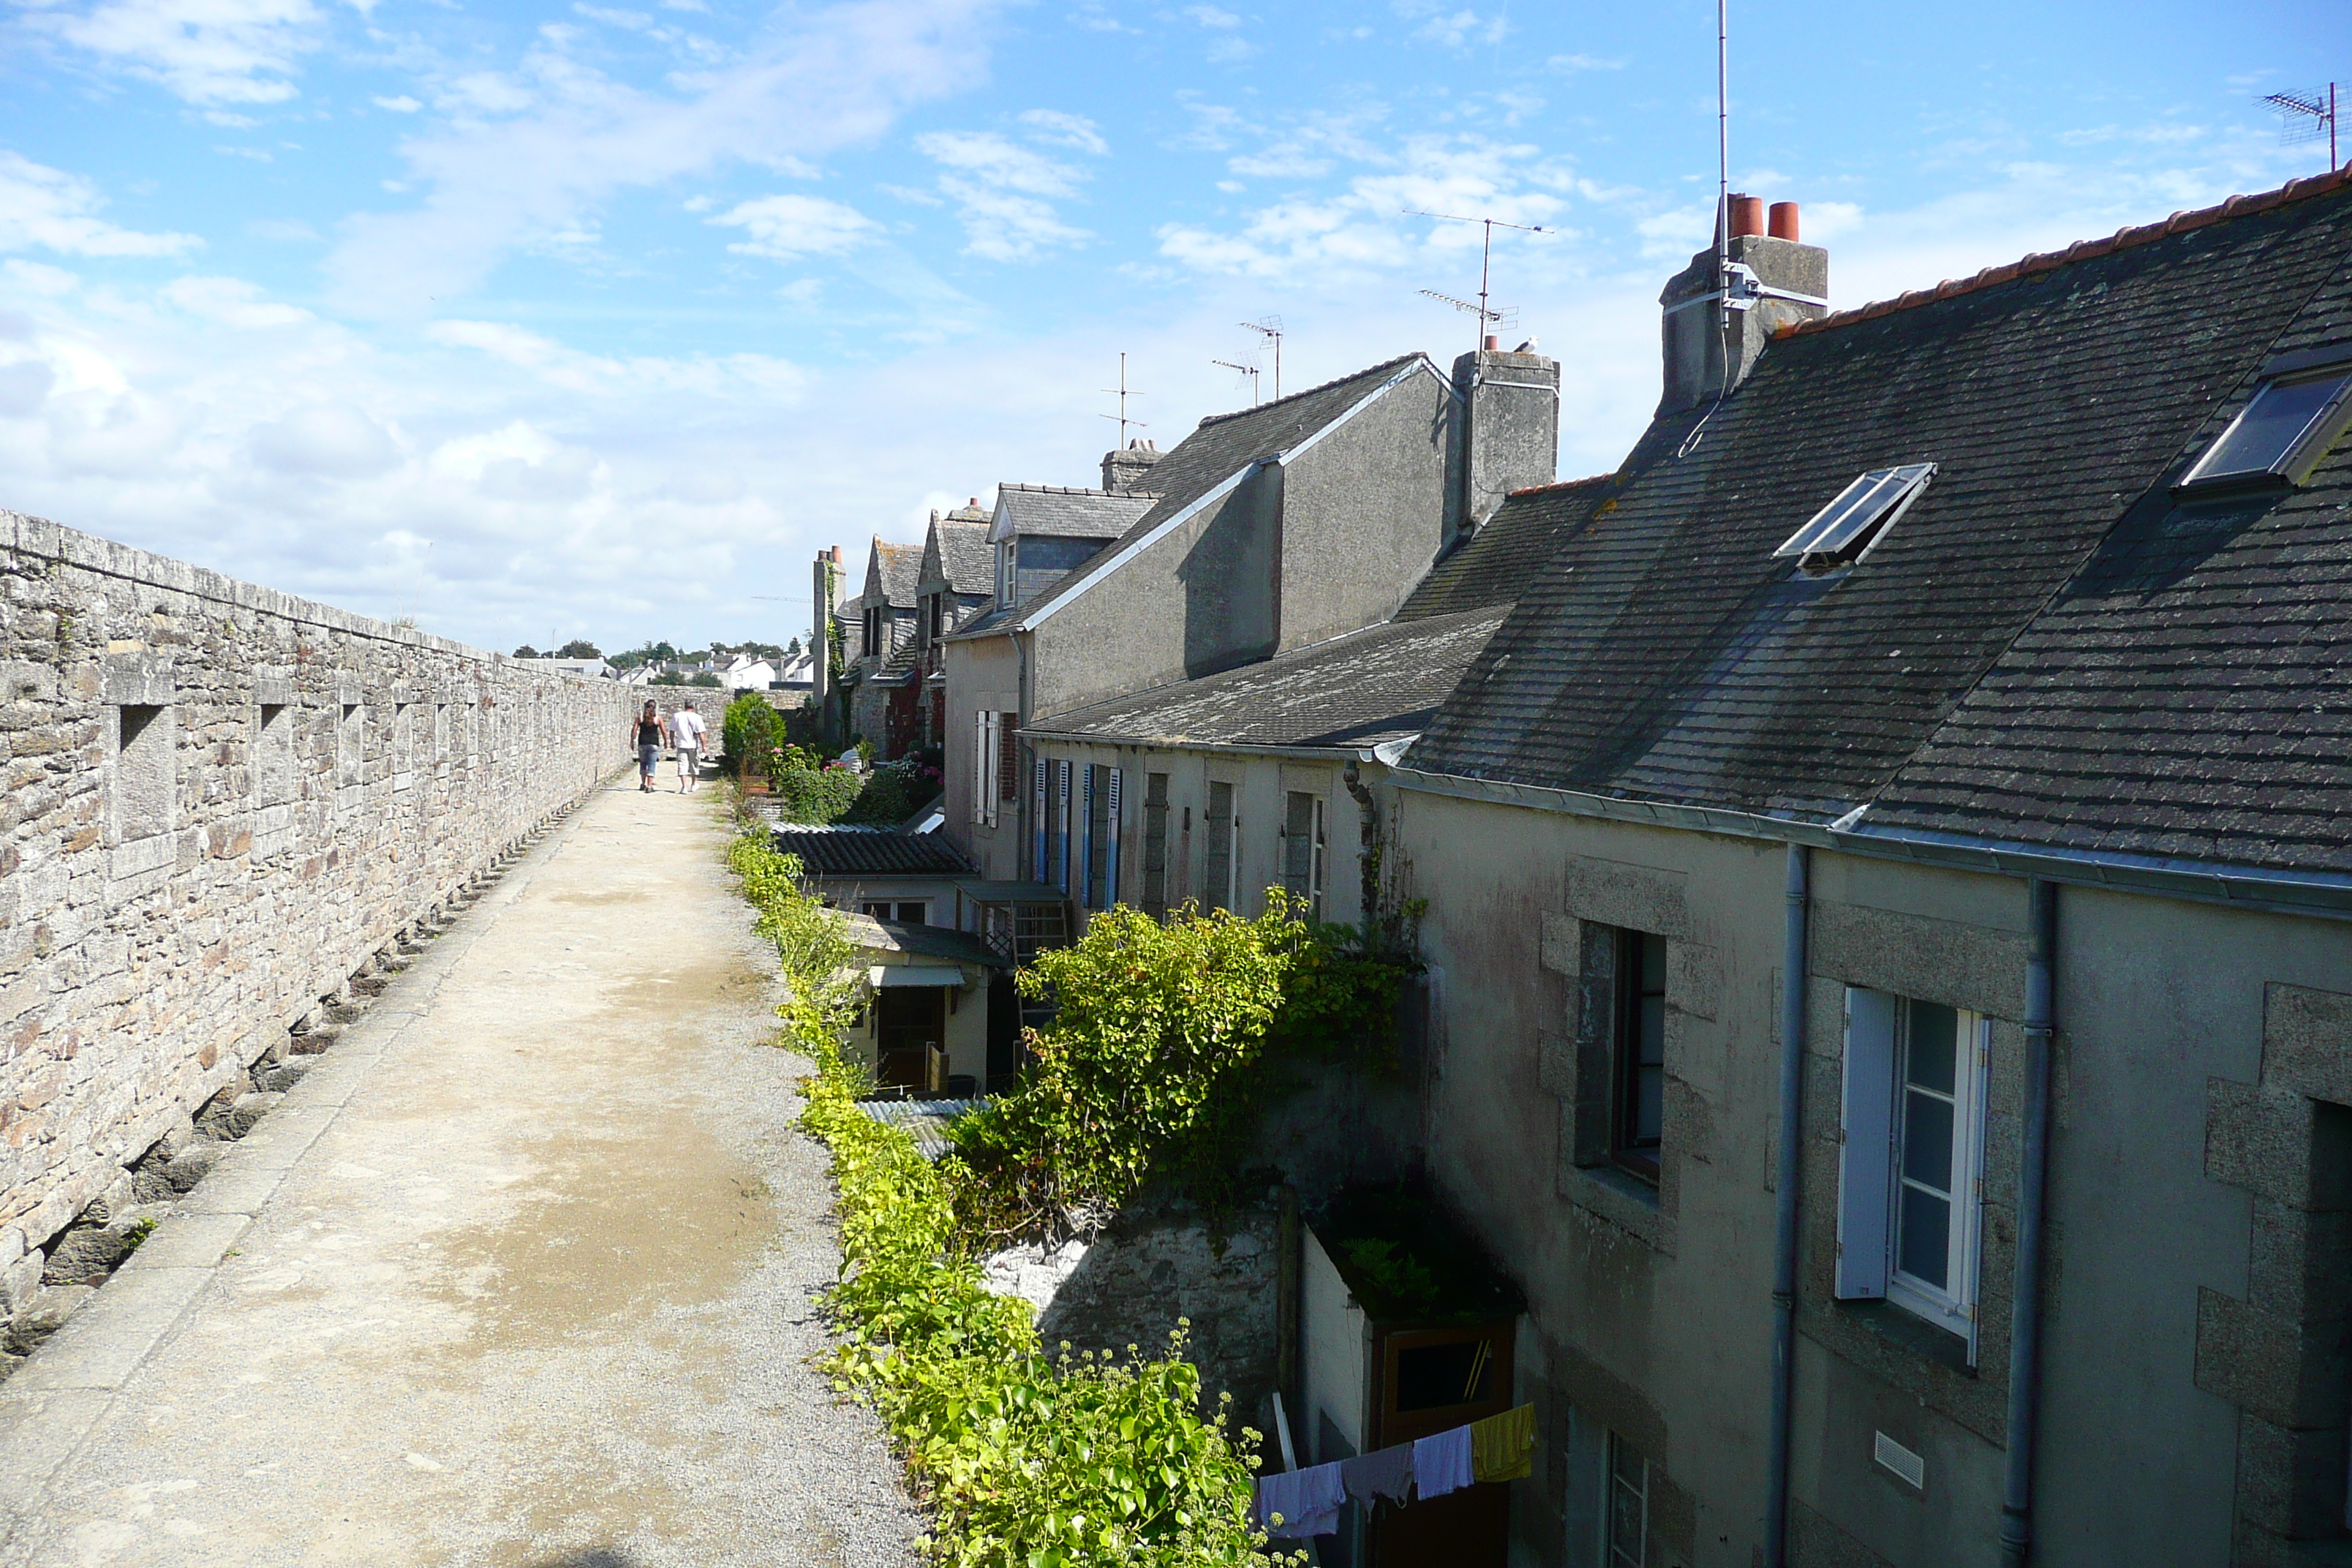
column 685, row 733
column 649, row 745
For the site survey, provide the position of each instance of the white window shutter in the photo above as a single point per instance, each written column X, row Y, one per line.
column 980, row 767
column 1865, row 1163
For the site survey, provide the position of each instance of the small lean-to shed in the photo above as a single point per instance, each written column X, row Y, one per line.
column 1407, row 1331
column 925, row 1024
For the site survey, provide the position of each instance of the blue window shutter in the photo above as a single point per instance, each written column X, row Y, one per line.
column 1037, row 818
column 1062, row 851
column 1086, row 838
column 1866, row 1159
column 1110, row 850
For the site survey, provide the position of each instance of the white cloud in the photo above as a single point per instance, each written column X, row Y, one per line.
column 1060, row 130
column 1213, row 16
column 333, row 440
column 1572, row 63
column 571, row 137
column 1001, row 190
column 1453, row 29
column 404, row 104
column 205, row 51
column 45, row 207
column 785, row 227
column 33, row 278
column 232, row 302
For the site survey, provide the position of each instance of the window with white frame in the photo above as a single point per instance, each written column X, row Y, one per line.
column 1627, row 1517
column 1910, row 1187
column 1304, row 849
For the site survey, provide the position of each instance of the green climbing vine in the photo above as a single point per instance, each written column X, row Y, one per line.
column 1027, row 1458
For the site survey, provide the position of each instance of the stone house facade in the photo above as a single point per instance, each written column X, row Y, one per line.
column 1891, row 860
column 221, row 802
column 878, row 679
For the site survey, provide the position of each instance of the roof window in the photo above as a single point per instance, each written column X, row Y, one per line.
column 2283, row 429
column 1844, row 531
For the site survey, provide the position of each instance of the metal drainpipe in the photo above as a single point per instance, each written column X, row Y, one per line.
column 1793, row 971
column 2032, row 1182
column 1367, row 853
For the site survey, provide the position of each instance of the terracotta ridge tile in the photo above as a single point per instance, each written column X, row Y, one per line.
column 2082, row 251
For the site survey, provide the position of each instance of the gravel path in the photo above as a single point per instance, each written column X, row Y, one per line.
column 521, row 1275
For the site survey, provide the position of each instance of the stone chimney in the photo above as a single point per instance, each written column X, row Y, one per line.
column 1776, row 280
column 1130, row 470
column 825, row 580
column 1506, row 430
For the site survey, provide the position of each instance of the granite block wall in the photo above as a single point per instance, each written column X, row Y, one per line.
column 219, row 801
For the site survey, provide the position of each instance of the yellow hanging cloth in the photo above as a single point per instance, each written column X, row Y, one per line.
column 1502, row 1448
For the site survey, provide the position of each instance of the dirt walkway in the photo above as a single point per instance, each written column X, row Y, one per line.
column 519, row 1275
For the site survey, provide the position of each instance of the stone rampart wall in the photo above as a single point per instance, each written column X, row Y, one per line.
column 220, row 801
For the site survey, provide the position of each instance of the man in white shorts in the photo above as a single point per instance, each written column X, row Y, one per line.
column 685, row 733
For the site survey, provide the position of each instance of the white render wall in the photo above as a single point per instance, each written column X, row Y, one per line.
column 219, row 801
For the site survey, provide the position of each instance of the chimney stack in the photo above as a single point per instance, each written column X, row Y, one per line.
column 1130, row 470
column 1506, row 432
column 1776, row 280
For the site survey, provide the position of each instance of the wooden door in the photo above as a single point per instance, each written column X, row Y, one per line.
column 909, row 1023
column 1431, row 1380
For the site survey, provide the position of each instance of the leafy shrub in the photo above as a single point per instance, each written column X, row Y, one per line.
column 1028, row 1459
column 805, row 793
column 750, row 733
column 1168, row 1042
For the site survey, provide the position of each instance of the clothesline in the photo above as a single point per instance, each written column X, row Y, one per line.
column 1299, row 1503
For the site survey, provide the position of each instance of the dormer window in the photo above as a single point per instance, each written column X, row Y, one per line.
column 1842, row 532
column 1004, row 572
column 2283, row 431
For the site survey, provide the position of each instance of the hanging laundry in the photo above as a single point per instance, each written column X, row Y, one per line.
column 1309, row 1501
column 1385, row 1474
column 1442, row 1464
column 1502, row 1448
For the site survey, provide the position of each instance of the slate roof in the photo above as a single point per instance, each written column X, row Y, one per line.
column 869, row 852
column 1493, row 565
column 892, row 572
column 1068, row 512
column 1379, row 684
column 959, row 556
column 2044, row 649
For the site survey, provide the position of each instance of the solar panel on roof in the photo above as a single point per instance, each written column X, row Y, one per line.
column 1859, row 513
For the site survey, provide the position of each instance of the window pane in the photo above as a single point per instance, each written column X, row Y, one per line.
column 1926, row 1247
column 1935, row 1039
column 1648, row 1108
column 1927, row 1140
column 2279, row 413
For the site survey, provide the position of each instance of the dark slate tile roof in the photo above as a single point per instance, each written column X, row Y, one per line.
column 869, row 852
column 1067, row 513
column 1493, row 565
column 958, row 555
column 1374, row 685
column 2039, row 647
column 892, row 572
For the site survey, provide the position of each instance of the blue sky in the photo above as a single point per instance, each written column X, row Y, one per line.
column 600, row 319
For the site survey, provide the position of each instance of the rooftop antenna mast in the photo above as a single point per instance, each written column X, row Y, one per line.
column 1124, row 394
column 1725, row 308
column 1270, row 328
column 1484, row 312
column 1248, row 370
column 2308, row 116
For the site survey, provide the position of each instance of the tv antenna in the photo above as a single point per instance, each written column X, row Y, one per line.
column 2307, row 116
column 1270, row 328
column 1248, row 370
column 1125, row 392
column 1484, row 314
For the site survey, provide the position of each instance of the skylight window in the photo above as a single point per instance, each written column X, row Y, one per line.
column 2285, row 428
column 1840, row 532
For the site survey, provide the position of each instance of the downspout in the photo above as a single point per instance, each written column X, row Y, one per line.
column 1368, row 852
column 2032, row 1181
column 1794, row 968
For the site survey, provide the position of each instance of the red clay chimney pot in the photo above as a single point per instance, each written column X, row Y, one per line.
column 1784, row 220
column 1493, row 344
column 1747, row 215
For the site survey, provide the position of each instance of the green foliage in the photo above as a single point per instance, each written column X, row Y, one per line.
column 1168, row 1041
column 750, row 733
column 526, row 651
column 1395, row 1270
column 578, row 648
column 1026, row 1459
